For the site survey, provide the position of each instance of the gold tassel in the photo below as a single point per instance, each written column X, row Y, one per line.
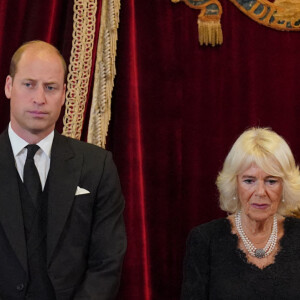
column 210, row 31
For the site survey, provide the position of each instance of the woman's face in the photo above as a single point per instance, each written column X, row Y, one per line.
column 259, row 193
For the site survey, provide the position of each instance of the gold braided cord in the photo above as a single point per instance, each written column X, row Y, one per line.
column 84, row 20
column 105, row 72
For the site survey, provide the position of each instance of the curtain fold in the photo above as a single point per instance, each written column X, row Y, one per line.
column 138, row 260
column 22, row 21
column 177, row 108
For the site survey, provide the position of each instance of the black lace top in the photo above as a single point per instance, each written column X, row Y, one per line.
column 214, row 268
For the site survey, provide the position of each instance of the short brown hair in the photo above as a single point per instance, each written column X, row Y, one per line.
column 19, row 52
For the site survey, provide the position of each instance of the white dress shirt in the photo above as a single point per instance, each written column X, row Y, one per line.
column 41, row 158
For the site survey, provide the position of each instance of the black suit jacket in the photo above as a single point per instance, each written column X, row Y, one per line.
column 86, row 238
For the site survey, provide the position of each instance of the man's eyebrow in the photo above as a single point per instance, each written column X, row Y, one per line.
column 29, row 79
column 44, row 83
column 52, row 82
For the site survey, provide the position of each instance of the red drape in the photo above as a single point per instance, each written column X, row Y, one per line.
column 25, row 20
column 177, row 109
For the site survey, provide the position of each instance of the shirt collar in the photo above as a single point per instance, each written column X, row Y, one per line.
column 18, row 144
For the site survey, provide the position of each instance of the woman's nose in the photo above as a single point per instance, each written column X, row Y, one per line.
column 260, row 189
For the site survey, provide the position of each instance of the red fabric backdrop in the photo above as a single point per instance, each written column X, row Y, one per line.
column 177, row 108
column 25, row 20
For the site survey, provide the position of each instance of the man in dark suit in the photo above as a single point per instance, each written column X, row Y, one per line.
column 62, row 233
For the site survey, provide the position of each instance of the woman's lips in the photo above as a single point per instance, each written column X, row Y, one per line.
column 259, row 206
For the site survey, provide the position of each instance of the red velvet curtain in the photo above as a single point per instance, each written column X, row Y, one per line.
column 177, row 109
column 25, row 20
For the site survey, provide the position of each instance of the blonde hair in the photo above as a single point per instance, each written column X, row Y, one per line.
column 41, row 45
column 271, row 153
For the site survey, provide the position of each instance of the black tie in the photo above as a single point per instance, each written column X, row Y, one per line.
column 31, row 175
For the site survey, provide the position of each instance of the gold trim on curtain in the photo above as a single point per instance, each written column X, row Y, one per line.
column 84, row 19
column 105, row 72
column 209, row 24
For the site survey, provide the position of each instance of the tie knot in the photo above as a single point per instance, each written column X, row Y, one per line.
column 31, row 150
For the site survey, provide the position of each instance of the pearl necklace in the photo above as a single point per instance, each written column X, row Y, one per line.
column 253, row 251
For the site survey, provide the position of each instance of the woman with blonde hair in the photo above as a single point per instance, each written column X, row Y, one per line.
column 254, row 253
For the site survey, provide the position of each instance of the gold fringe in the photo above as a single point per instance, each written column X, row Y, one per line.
column 209, row 24
column 105, row 72
column 210, row 32
column 84, row 20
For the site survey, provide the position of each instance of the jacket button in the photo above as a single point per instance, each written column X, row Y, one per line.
column 20, row 287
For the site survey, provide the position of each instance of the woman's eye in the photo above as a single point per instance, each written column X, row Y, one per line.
column 248, row 181
column 272, row 181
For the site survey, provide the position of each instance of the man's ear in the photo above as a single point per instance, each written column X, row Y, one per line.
column 8, row 86
column 64, row 95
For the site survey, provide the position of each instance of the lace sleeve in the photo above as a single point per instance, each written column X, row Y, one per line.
column 196, row 267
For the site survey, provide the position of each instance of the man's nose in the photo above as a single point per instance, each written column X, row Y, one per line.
column 40, row 97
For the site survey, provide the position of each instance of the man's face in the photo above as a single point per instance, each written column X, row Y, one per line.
column 36, row 93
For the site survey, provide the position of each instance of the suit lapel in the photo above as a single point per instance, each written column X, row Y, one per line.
column 11, row 216
column 64, row 175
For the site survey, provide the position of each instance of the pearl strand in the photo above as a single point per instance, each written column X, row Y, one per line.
column 253, row 251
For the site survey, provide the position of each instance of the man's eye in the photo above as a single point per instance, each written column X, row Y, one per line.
column 50, row 87
column 27, row 84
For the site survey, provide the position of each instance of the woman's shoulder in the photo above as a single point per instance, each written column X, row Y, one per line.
column 290, row 241
column 292, row 220
column 210, row 229
column 292, row 224
column 211, row 239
